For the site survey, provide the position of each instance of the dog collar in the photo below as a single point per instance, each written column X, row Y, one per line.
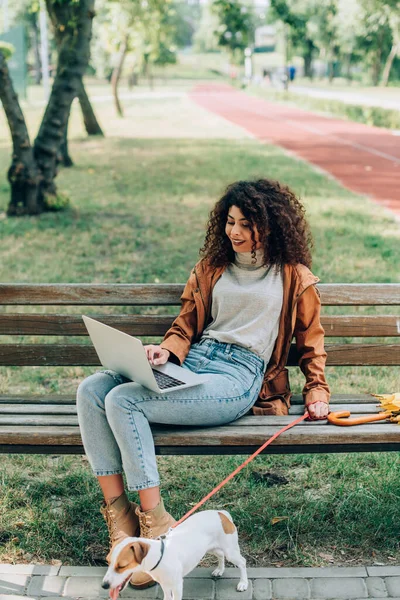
column 162, row 553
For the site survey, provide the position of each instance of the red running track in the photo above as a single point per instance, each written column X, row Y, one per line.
column 365, row 159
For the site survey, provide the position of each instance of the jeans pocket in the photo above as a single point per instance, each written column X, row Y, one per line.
column 254, row 365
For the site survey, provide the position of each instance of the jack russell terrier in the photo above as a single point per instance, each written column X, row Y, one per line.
column 172, row 556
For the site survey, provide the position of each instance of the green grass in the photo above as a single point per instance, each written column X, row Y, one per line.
column 139, row 208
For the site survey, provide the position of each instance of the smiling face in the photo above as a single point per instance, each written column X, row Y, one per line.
column 238, row 229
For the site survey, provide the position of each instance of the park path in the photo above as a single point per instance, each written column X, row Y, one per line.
column 364, row 159
column 383, row 98
column 51, row 582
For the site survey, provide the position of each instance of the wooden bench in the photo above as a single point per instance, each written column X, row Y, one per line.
column 48, row 423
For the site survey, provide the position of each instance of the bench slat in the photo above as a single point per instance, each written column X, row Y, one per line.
column 70, row 409
column 157, row 325
column 84, row 355
column 67, row 420
column 68, row 325
column 63, row 399
column 333, row 294
column 303, row 436
column 81, row 294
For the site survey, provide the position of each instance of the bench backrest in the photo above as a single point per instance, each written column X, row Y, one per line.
column 65, row 324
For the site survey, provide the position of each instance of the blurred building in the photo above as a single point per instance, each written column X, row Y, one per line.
column 265, row 38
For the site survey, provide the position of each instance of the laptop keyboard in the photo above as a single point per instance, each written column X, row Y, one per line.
column 166, row 381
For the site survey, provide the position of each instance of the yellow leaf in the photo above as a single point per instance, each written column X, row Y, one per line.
column 278, row 519
column 392, row 397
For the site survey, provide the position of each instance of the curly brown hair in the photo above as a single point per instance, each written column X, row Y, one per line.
column 277, row 214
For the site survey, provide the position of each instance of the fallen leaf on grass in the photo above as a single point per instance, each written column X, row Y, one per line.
column 325, row 556
column 278, row 519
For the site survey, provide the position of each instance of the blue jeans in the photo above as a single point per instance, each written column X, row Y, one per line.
column 114, row 413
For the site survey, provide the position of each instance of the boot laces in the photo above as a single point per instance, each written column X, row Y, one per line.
column 146, row 529
column 109, row 517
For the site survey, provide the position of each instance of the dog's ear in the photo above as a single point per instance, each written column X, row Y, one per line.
column 140, row 550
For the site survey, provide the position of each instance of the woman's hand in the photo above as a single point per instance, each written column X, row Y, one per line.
column 318, row 410
column 156, row 355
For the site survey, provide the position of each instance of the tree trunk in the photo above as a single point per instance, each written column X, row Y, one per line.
column 308, row 66
column 36, row 49
column 73, row 58
column 89, row 118
column 308, row 57
column 376, row 67
column 147, row 70
column 23, row 175
column 389, row 62
column 116, row 75
column 377, row 61
column 64, row 156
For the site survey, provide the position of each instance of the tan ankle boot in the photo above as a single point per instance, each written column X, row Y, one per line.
column 121, row 519
column 153, row 523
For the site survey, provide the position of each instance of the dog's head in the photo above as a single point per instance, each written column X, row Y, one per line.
column 125, row 558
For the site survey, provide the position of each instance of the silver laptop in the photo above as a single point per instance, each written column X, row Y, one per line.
column 126, row 355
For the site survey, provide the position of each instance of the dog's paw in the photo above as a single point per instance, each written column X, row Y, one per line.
column 217, row 572
column 242, row 586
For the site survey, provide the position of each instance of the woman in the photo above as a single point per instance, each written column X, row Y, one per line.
column 244, row 301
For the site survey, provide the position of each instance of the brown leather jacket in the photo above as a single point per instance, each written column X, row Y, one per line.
column 300, row 318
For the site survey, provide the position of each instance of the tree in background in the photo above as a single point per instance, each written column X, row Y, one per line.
column 296, row 14
column 90, row 121
column 373, row 36
column 392, row 10
column 204, row 39
column 34, row 168
column 343, row 33
column 236, row 27
column 323, row 29
column 148, row 31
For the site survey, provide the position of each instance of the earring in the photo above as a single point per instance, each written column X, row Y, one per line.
column 253, row 257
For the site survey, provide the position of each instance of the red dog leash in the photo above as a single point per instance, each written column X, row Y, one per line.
column 246, row 462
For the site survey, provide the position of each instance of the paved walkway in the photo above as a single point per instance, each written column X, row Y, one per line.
column 335, row 583
column 365, row 98
column 364, row 159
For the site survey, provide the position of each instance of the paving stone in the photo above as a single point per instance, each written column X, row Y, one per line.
column 290, row 589
column 62, row 598
column 12, row 597
column 262, row 589
column 280, row 573
column 376, row 587
column 385, row 571
column 84, row 587
column 225, row 589
column 29, row 569
column 82, row 571
column 198, row 589
column 46, row 585
column 393, row 586
column 13, row 584
column 337, row 588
